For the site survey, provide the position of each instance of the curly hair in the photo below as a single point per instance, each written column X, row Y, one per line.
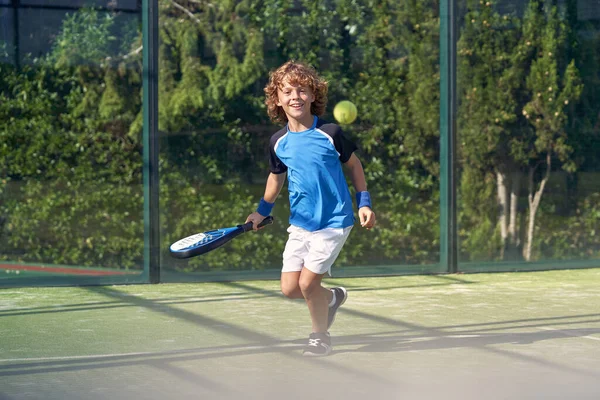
column 296, row 73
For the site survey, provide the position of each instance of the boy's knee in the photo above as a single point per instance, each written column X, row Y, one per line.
column 287, row 292
column 291, row 292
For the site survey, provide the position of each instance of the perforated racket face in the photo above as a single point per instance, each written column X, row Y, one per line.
column 197, row 240
column 204, row 242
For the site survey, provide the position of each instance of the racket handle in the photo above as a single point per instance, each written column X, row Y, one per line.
column 248, row 226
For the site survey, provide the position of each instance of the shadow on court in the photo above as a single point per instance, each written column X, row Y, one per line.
column 421, row 339
column 193, row 370
column 526, row 358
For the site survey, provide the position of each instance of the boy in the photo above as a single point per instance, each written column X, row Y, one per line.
column 310, row 152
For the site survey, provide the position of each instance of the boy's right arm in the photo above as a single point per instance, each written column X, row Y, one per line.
column 274, row 184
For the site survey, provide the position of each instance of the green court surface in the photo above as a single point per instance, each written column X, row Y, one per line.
column 476, row 336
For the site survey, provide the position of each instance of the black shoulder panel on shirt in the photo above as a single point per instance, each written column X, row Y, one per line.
column 275, row 164
column 276, row 136
column 344, row 146
column 329, row 128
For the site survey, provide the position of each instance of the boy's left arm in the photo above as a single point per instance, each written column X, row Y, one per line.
column 357, row 176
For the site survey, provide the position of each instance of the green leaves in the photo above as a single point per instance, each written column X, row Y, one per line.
column 85, row 38
column 70, row 124
column 551, row 88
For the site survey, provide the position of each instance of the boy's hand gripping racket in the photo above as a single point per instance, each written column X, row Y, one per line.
column 204, row 242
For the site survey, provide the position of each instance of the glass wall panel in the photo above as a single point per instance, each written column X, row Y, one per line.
column 214, row 62
column 71, row 191
column 529, row 134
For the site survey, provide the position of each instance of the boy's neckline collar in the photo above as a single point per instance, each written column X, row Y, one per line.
column 314, row 124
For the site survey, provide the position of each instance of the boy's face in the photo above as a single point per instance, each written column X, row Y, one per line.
column 295, row 100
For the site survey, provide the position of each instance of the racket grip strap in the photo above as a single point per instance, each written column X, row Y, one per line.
column 363, row 199
column 264, row 207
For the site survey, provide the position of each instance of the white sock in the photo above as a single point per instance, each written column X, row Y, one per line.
column 332, row 298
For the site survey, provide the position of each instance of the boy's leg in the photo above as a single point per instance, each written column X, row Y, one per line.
column 317, row 299
column 325, row 246
column 306, row 284
column 316, row 296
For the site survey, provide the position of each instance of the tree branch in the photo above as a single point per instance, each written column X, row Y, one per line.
column 126, row 56
column 185, row 10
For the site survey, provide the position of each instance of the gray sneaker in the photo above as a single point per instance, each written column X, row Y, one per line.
column 340, row 298
column 319, row 345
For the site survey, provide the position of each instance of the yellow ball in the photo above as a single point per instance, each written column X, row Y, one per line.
column 345, row 112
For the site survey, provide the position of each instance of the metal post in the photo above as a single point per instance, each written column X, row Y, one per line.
column 448, row 106
column 150, row 140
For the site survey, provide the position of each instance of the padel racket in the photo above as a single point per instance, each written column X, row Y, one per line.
column 204, row 242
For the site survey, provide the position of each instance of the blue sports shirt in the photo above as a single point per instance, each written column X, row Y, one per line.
column 319, row 195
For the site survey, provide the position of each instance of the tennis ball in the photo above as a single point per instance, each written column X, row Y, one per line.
column 345, row 112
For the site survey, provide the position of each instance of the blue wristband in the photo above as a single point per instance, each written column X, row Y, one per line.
column 363, row 199
column 264, row 208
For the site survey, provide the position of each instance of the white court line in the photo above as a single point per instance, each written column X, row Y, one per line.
column 148, row 353
column 570, row 334
column 8, row 360
column 221, row 350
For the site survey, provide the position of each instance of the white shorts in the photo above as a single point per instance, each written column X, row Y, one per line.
column 315, row 251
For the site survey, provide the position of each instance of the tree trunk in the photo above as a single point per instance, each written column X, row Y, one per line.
column 503, row 210
column 534, row 202
column 513, row 227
